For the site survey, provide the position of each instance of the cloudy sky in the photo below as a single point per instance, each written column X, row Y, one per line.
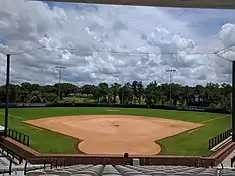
column 114, row 43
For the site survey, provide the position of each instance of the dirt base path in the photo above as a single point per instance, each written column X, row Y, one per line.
column 115, row 134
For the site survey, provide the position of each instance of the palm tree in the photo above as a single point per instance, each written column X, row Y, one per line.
column 134, row 88
column 103, row 87
column 140, row 91
column 115, row 89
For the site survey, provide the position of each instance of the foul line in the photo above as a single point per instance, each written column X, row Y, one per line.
column 214, row 119
column 205, row 121
column 18, row 117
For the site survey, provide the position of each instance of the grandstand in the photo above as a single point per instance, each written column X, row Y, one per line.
column 128, row 170
column 110, row 170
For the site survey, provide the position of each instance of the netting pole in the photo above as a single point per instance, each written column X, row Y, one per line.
column 233, row 102
column 7, row 95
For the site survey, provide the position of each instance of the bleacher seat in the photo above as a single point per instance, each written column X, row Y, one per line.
column 127, row 170
column 35, row 173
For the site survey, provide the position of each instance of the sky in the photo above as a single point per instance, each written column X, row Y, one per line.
column 107, row 43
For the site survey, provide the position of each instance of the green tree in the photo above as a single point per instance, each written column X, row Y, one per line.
column 103, row 89
column 135, row 90
column 115, row 89
column 140, row 91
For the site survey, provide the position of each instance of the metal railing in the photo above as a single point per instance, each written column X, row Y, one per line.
column 219, row 138
column 30, row 169
column 18, row 136
column 232, row 160
column 11, row 152
column 51, row 161
column 10, row 165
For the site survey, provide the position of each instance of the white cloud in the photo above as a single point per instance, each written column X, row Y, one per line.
column 105, row 44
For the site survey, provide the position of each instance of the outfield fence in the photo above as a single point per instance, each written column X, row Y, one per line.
column 219, row 138
column 178, row 108
column 18, row 136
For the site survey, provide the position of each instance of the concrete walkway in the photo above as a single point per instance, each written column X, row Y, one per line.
column 227, row 161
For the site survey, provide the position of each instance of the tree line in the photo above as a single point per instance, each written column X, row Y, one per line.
column 129, row 93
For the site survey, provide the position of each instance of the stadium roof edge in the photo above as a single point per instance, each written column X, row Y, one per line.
column 210, row 4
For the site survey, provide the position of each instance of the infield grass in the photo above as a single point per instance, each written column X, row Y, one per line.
column 188, row 143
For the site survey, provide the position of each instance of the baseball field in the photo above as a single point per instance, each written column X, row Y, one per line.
column 117, row 130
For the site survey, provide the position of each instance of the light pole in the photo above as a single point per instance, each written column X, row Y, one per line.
column 233, row 102
column 170, row 71
column 233, row 91
column 7, row 94
column 122, row 95
column 60, row 68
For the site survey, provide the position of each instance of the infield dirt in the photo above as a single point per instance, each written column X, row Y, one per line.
column 115, row 134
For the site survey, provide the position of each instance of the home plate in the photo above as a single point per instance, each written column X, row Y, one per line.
column 113, row 110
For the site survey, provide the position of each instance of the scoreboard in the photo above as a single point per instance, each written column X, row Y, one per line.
column 197, row 101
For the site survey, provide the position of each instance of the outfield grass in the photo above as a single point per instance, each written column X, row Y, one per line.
column 195, row 143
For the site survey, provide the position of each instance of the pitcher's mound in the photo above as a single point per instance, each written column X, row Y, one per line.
column 115, row 134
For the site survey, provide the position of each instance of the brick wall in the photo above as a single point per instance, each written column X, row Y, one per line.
column 71, row 159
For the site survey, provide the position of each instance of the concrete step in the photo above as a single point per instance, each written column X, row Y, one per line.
column 227, row 161
column 15, row 161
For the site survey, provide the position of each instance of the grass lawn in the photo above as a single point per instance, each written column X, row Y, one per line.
column 195, row 143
